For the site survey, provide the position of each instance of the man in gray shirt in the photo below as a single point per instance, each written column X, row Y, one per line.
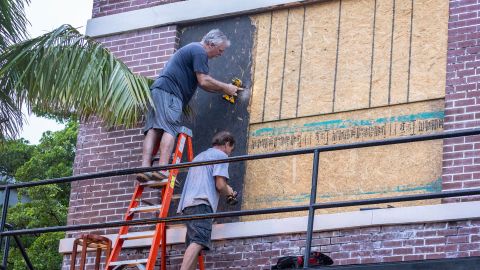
column 173, row 89
column 201, row 193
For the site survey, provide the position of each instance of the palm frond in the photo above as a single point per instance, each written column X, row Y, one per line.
column 13, row 22
column 66, row 71
column 13, row 28
column 10, row 117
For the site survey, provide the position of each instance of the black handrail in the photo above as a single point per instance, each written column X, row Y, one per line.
column 416, row 138
column 311, row 207
column 340, row 204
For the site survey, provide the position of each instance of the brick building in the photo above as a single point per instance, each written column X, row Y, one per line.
column 431, row 76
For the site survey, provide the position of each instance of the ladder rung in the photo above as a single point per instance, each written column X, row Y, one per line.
column 129, row 262
column 137, row 235
column 153, row 183
column 143, row 209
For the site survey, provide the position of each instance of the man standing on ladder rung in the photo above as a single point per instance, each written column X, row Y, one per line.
column 201, row 193
column 173, row 89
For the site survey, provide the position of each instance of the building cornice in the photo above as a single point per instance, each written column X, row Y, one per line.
column 183, row 12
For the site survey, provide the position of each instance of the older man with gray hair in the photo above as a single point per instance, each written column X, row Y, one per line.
column 173, row 89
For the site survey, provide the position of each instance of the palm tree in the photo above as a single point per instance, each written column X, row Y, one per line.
column 62, row 71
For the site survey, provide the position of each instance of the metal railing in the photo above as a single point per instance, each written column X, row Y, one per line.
column 311, row 207
column 20, row 247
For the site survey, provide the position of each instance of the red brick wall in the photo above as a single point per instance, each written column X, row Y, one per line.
column 109, row 7
column 461, row 157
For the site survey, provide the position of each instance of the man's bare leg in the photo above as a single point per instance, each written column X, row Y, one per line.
column 149, row 143
column 191, row 256
column 152, row 139
column 166, row 148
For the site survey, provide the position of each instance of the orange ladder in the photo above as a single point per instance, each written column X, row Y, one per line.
column 159, row 238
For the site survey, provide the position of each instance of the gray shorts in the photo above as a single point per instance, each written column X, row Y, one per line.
column 199, row 230
column 167, row 115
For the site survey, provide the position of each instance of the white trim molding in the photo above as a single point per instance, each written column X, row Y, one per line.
column 182, row 13
column 326, row 222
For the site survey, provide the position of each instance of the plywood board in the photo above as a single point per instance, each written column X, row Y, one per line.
column 276, row 65
column 380, row 71
column 429, row 49
column 293, row 54
column 400, row 52
column 354, row 55
column 318, row 61
column 348, row 174
column 261, row 46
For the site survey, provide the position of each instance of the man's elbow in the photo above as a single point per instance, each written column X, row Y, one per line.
column 203, row 81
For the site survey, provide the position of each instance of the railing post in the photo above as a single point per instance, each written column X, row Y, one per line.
column 5, row 253
column 4, row 218
column 311, row 210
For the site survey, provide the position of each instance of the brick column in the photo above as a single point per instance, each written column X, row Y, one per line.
column 461, row 156
column 101, row 149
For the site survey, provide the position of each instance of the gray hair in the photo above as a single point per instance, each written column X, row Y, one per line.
column 215, row 37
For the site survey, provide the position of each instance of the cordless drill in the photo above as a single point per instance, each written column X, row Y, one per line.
column 238, row 83
column 232, row 199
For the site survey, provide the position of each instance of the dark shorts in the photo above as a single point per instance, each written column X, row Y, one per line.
column 199, row 230
column 167, row 114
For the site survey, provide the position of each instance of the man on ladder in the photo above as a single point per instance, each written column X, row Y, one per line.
column 201, row 193
column 172, row 90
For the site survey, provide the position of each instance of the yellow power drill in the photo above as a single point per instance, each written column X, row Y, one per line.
column 238, row 83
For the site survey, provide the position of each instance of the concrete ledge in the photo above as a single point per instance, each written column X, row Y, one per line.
column 181, row 13
column 327, row 222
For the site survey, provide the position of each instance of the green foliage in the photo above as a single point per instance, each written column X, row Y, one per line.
column 59, row 117
column 53, row 157
column 40, row 253
column 13, row 154
column 48, row 204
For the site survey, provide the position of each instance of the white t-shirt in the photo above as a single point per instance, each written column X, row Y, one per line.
column 199, row 187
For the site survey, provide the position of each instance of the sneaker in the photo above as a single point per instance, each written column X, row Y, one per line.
column 160, row 175
column 145, row 177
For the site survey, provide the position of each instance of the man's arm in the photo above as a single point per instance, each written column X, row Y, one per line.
column 211, row 85
column 222, row 186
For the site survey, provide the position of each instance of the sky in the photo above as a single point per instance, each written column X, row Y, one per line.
column 44, row 16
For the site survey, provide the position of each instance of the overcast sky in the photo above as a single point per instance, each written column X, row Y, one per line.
column 44, row 16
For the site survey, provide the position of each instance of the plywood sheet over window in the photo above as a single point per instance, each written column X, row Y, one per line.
column 346, row 55
column 348, row 174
